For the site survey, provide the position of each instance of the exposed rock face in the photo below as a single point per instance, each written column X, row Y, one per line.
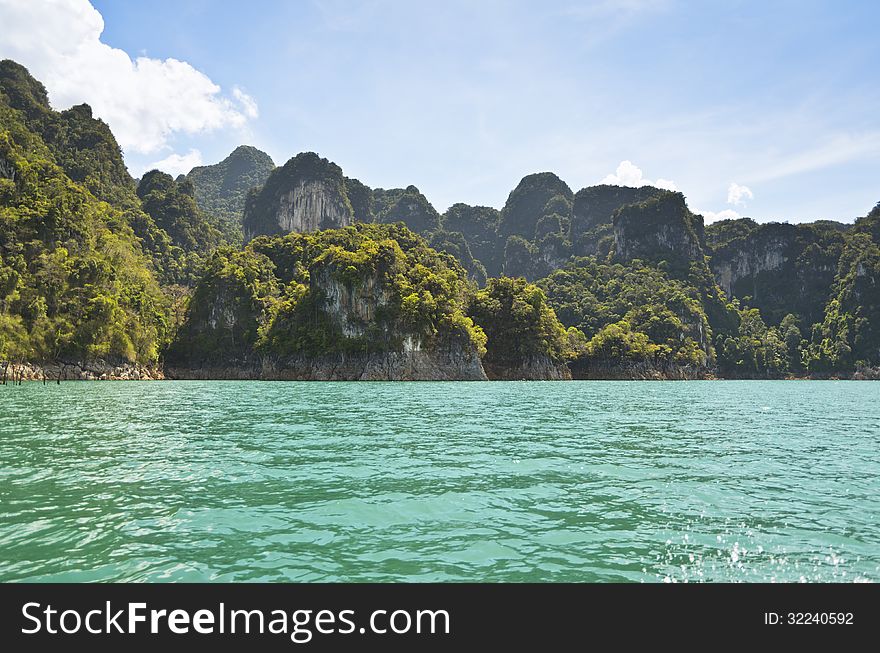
column 7, row 169
column 659, row 229
column 351, row 307
column 636, row 371
column 535, row 368
column 346, row 325
column 308, row 193
column 415, row 365
column 865, row 373
column 310, row 206
column 97, row 370
column 736, row 263
column 782, row 268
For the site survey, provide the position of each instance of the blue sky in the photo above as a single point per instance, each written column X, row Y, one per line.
column 770, row 110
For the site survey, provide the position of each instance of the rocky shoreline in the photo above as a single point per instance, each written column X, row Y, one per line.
column 417, row 365
column 396, row 366
column 57, row 371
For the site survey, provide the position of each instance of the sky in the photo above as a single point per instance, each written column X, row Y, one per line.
column 763, row 109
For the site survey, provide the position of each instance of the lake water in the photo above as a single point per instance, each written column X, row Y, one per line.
column 571, row 481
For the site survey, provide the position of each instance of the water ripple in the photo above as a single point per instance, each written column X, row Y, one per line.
column 579, row 481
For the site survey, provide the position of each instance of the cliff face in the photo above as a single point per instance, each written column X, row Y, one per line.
column 308, row 193
column 594, row 206
column 312, row 205
column 636, row 371
column 352, row 307
column 534, row 368
column 367, row 302
column 438, row 365
column 91, row 370
column 783, row 268
column 659, row 229
column 355, row 310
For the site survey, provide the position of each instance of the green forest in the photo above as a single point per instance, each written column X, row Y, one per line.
column 243, row 262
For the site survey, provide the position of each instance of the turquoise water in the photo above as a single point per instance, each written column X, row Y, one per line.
column 576, row 481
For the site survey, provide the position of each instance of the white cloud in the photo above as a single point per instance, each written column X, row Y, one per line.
column 177, row 164
column 248, row 104
column 628, row 174
column 839, row 149
column 714, row 216
column 737, row 195
column 145, row 101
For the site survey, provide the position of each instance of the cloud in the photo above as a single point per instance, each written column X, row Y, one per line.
column 737, row 195
column 839, row 149
column 145, row 101
column 177, row 164
column 628, row 174
column 714, row 216
column 248, row 104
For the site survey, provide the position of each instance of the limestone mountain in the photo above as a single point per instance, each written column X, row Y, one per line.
column 479, row 227
column 306, row 194
column 221, row 189
column 339, row 280
column 537, row 197
column 365, row 302
column 75, row 283
column 407, row 205
column 781, row 268
column 172, row 206
column 848, row 338
column 592, row 211
column 593, row 206
column 660, row 229
column 81, row 145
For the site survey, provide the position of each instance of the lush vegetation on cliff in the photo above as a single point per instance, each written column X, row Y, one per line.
column 94, row 265
column 521, row 326
column 631, row 312
column 363, row 288
column 849, row 335
column 74, row 282
column 221, row 189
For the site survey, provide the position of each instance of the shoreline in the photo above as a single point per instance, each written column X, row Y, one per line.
column 19, row 373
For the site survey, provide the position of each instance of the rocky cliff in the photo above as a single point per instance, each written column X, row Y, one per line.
column 367, row 302
column 781, row 268
column 306, row 194
column 539, row 196
column 438, row 365
column 594, row 206
column 81, row 370
column 623, row 370
column 533, row 368
column 659, row 229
